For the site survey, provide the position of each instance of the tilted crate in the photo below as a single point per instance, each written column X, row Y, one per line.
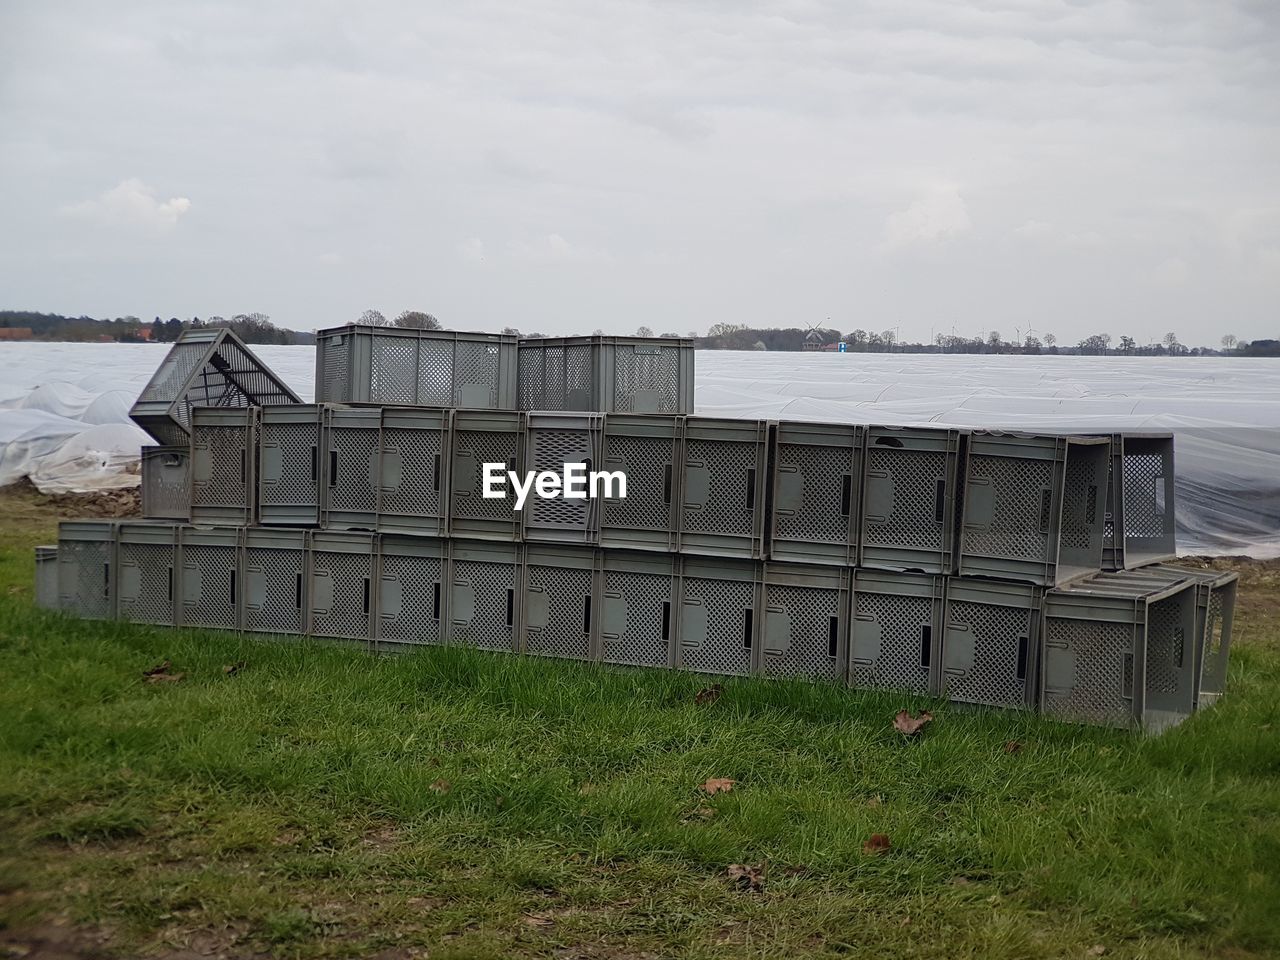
column 210, row 577
column 910, row 488
column 166, row 483
column 1034, row 507
column 274, row 573
column 1140, row 501
column 147, row 558
column 87, row 568
column 350, row 474
column 46, row 583
column 607, row 374
column 1120, row 650
column 414, row 471
column 224, row 447
column 646, row 448
column 896, row 632
column 558, row 601
column 341, row 594
column 637, row 613
column 989, row 641
column 364, row 364
column 805, row 609
column 476, row 438
column 723, row 482
column 411, row 591
column 552, row 442
column 204, row 368
column 483, row 599
column 289, row 465
column 817, row 471
column 1215, row 620
column 717, row 630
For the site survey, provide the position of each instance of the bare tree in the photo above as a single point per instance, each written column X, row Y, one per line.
column 644, row 332
column 1229, row 341
column 418, row 320
column 510, row 332
column 373, row 318
column 1050, row 340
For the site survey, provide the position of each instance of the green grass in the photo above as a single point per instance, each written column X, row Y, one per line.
column 300, row 807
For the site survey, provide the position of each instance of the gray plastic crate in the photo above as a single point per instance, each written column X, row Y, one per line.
column 637, row 608
column 817, row 471
column 414, row 471
column 716, row 624
column 607, row 374
column 910, row 489
column 87, row 568
column 989, row 642
column 1034, row 507
column 411, row 591
column 1140, row 501
column 148, row 559
column 476, row 438
column 558, row 601
column 896, row 631
column 224, row 445
column 341, row 596
column 46, row 582
column 362, row 364
column 204, row 368
column 483, row 599
column 289, row 453
column 210, row 577
column 1120, row 650
column 351, row 456
column 166, row 483
column 723, row 481
column 1215, row 619
column 647, row 449
column 806, row 621
column 552, row 441
column 274, row 574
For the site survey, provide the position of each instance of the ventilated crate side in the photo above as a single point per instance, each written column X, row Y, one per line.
column 411, row 591
column 87, row 568
column 1215, row 619
column 910, row 489
column 166, row 483
column 46, row 582
column 1141, row 501
column 147, row 557
column 806, row 621
column 722, row 487
column 607, row 374
column 341, row 593
column 559, row 601
column 289, row 453
column 553, row 441
column 210, row 577
column 477, row 438
column 989, row 642
column 637, row 608
column 349, row 475
column 483, row 600
column 224, row 445
column 895, row 636
column 816, row 476
column 413, row 471
column 716, row 624
column 274, row 572
column 646, row 449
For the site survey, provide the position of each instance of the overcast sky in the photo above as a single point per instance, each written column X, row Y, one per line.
column 563, row 166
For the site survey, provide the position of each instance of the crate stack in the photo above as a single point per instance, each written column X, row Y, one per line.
column 1001, row 569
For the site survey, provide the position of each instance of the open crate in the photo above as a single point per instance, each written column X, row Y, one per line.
column 1140, row 501
column 166, row 483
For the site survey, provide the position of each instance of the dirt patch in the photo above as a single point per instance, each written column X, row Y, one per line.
column 126, row 502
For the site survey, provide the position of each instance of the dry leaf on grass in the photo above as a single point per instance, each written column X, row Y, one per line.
column 160, row 674
column 877, row 843
column 747, row 876
column 537, row 920
column 442, row 786
column 875, row 801
column 1013, row 746
column 908, row 725
column 701, row 813
column 708, row 694
column 231, row 669
column 1096, row 950
column 718, row 785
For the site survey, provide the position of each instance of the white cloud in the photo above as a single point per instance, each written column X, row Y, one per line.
column 1172, row 272
column 131, row 203
column 937, row 213
column 1034, row 229
column 330, row 259
column 553, row 248
column 471, row 250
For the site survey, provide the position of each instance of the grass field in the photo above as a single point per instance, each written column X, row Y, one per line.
column 318, row 801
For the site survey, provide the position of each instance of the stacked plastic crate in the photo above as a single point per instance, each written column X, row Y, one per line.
column 1009, row 570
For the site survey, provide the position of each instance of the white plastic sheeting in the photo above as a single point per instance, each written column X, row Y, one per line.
column 1225, row 412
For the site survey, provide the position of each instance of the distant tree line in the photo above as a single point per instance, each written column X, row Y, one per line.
column 249, row 327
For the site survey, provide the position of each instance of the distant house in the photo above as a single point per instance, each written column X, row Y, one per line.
column 143, row 333
column 16, row 333
column 813, row 340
